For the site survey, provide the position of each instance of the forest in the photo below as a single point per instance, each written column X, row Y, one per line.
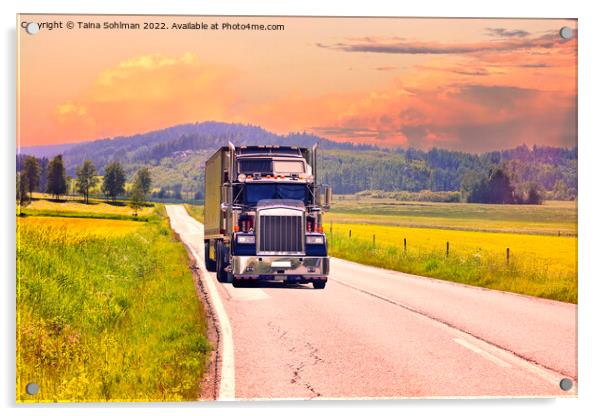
column 175, row 157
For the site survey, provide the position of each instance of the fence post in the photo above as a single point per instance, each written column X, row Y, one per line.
column 373, row 241
column 330, row 228
column 508, row 255
column 404, row 245
column 350, row 233
column 447, row 249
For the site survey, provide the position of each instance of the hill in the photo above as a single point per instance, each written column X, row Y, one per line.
column 176, row 157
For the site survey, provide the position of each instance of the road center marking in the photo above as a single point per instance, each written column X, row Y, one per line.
column 482, row 353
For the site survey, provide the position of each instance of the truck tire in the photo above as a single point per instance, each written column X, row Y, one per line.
column 220, row 253
column 319, row 284
column 209, row 264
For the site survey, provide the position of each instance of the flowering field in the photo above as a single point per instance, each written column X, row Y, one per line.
column 106, row 311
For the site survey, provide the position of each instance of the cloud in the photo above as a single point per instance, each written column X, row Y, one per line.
column 146, row 92
column 436, row 112
column 397, row 46
column 506, row 33
column 385, row 68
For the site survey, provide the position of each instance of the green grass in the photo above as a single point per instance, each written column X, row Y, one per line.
column 80, row 214
column 522, row 274
column 105, row 315
column 551, row 218
column 196, row 211
column 44, row 205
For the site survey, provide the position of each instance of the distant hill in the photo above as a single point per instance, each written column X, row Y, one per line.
column 176, row 157
column 152, row 147
column 46, row 151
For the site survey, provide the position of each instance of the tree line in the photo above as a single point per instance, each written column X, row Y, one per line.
column 42, row 175
column 533, row 173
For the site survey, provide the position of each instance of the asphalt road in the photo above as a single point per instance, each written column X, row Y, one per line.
column 374, row 333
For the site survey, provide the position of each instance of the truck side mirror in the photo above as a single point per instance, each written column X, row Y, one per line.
column 327, row 197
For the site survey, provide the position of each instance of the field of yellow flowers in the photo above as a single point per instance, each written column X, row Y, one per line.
column 106, row 311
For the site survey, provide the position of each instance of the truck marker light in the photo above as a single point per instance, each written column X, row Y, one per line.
column 236, row 228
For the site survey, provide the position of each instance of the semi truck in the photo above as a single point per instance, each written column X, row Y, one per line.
column 263, row 215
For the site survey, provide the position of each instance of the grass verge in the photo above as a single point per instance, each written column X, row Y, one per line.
column 106, row 315
column 542, row 266
column 196, row 211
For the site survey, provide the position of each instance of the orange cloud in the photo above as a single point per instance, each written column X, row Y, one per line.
column 479, row 95
column 147, row 92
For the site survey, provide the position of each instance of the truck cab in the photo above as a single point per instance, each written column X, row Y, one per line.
column 263, row 215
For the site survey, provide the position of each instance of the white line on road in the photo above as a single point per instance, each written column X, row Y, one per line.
column 248, row 293
column 227, row 386
column 552, row 377
column 482, row 353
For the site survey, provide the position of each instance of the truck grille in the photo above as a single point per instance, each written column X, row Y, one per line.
column 281, row 234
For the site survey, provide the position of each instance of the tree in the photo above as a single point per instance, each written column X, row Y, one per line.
column 86, row 179
column 534, row 194
column 560, row 190
column 56, row 183
column 143, row 177
column 31, row 170
column 495, row 189
column 114, row 180
column 43, row 173
column 137, row 197
column 501, row 190
column 22, row 191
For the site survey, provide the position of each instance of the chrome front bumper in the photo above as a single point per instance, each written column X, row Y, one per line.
column 280, row 267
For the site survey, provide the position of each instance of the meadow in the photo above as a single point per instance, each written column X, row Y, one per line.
column 106, row 311
column 551, row 218
column 542, row 242
column 43, row 205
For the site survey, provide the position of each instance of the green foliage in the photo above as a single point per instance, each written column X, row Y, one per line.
column 143, row 180
column 107, row 317
column 23, row 196
column 422, row 196
column 31, row 174
column 86, row 179
column 494, row 189
column 56, row 183
column 137, row 197
column 114, row 180
column 175, row 157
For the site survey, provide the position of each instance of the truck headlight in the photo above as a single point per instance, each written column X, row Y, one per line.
column 314, row 239
column 245, row 239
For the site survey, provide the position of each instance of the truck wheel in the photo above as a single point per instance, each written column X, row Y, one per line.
column 237, row 283
column 319, row 284
column 220, row 253
column 209, row 264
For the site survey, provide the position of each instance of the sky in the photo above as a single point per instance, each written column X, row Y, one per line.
column 463, row 84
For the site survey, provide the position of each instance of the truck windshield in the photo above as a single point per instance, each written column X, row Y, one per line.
column 255, row 192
